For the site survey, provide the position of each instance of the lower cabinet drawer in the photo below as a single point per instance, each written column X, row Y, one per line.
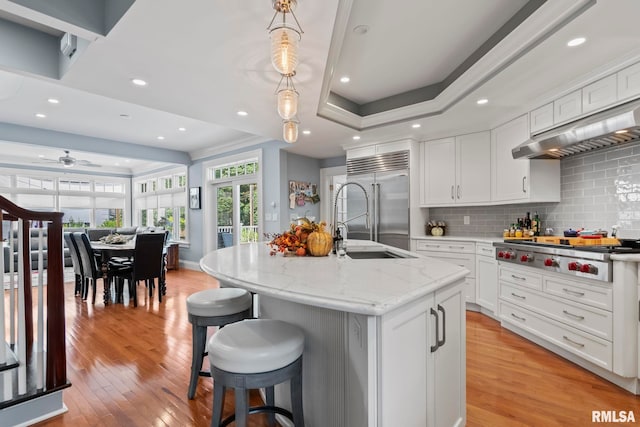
column 582, row 344
column 600, row 296
column 589, row 319
column 467, row 261
column 521, row 277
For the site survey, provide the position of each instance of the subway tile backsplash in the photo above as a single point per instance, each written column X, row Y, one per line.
column 598, row 189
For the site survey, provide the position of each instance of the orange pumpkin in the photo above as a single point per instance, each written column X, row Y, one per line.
column 319, row 243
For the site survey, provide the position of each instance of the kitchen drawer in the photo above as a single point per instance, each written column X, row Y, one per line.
column 463, row 260
column 592, row 320
column 586, row 293
column 520, row 277
column 446, row 246
column 485, row 249
column 587, row 346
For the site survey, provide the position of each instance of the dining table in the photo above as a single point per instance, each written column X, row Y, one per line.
column 107, row 251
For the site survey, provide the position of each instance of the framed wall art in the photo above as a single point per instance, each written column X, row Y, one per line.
column 194, row 197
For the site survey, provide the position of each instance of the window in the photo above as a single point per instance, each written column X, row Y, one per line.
column 233, row 170
column 108, row 187
column 35, row 183
column 74, row 185
column 161, row 201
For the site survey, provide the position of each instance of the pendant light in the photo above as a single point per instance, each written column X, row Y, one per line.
column 287, row 99
column 290, row 130
column 284, row 38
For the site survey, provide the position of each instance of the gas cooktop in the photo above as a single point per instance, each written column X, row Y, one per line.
column 626, row 246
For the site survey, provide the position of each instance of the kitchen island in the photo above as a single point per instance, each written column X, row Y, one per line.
column 385, row 337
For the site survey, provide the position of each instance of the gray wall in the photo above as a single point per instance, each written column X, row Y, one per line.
column 305, row 169
column 598, row 189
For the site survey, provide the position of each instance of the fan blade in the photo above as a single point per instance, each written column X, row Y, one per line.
column 87, row 163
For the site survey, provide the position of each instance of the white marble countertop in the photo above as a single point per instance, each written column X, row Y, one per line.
column 365, row 286
column 461, row 238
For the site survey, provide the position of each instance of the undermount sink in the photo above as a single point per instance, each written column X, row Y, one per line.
column 376, row 254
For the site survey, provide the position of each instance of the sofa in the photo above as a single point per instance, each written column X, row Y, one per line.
column 34, row 251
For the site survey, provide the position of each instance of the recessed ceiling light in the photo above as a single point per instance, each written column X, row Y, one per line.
column 306, row 132
column 576, row 42
column 622, row 131
column 161, row 137
column 345, row 79
column 416, row 125
column 138, row 82
column 40, row 115
column 116, row 164
column 182, row 129
column 242, row 113
column 53, row 101
column 482, row 101
column 41, row 156
column 356, row 137
column 127, row 161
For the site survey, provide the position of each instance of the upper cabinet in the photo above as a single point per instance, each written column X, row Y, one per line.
column 599, row 94
column 370, row 150
column 456, row 170
column 606, row 92
column 519, row 181
column 629, row 82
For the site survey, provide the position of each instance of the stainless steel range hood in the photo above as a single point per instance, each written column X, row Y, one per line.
column 614, row 126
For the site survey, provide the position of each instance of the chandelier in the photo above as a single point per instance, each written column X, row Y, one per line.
column 284, row 58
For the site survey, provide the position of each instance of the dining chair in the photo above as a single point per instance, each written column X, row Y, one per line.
column 147, row 265
column 89, row 264
column 76, row 262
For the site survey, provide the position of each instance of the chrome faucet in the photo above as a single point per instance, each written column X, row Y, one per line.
column 334, row 224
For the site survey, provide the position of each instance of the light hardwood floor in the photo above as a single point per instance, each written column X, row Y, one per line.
column 130, row 367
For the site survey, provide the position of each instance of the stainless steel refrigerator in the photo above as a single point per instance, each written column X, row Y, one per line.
column 385, row 177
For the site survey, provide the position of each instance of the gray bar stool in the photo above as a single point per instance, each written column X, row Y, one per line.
column 212, row 307
column 256, row 353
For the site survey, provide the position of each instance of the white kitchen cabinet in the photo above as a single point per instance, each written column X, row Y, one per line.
column 599, row 94
column 520, row 180
column 383, row 148
column 431, row 329
column 541, row 118
column 461, row 253
column 629, row 82
column 457, row 170
column 568, row 107
column 486, row 278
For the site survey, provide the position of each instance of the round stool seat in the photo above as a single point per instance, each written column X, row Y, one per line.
column 218, row 302
column 255, row 346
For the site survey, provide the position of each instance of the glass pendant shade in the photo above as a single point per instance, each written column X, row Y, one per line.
column 284, row 49
column 287, row 103
column 290, row 131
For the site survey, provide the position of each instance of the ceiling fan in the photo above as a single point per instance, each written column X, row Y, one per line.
column 68, row 162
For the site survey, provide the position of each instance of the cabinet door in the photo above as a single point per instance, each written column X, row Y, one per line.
column 629, row 82
column 599, row 94
column 568, row 107
column 449, row 359
column 510, row 176
column 487, row 280
column 541, row 118
column 473, row 168
column 354, row 153
column 439, row 161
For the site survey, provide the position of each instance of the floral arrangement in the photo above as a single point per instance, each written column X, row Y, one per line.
column 115, row 239
column 295, row 241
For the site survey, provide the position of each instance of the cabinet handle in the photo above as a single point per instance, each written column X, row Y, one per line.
column 524, row 181
column 456, row 247
column 518, row 296
column 444, row 326
column 566, row 338
column 575, row 316
column 452, row 196
column 518, row 277
column 518, row 317
column 574, row 293
column 437, row 344
column 458, row 191
column 431, row 246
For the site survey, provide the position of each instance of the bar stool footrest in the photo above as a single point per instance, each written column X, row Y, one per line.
column 258, row 410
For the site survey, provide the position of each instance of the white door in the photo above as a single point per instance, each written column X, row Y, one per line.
column 235, row 207
column 510, row 175
column 473, row 168
column 439, row 162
